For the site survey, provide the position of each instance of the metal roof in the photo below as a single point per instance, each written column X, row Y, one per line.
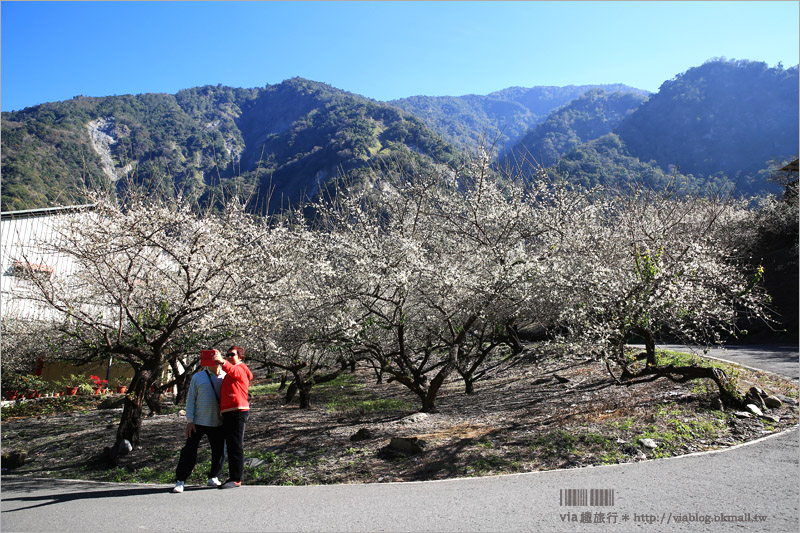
column 46, row 211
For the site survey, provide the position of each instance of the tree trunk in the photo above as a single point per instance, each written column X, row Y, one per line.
column 182, row 381
column 379, row 370
column 429, row 399
column 512, row 339
column 649, row 345
column 181, row 394
column 469, row 386
column 290, row 392
column 305, row 395
column 130, row 424
column 153, row 400
column 681, row 374
column 305, row 386
column 469, row 382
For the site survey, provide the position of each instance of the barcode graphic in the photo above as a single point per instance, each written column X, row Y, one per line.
column 601, row 497
column 573, row 497
column 587, row 497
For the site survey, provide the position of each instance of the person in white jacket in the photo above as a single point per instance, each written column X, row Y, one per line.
column 202, row 418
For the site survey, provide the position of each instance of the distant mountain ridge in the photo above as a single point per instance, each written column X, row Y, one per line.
column 714, row 126
column 509, row 113
column 587, row 117
column 286, row 141
column 722, row 117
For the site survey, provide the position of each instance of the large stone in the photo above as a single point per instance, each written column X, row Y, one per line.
column 786, row 399
column 409, row 445
column 752, row 397
column 648, row 443
column 755, row 391
column 412, row 419
column 14, row 459
column 125, row 447
column 403, row 447
column 771, row 418
column 361, row 434
column 742, row 414
column 773, row 402
column 753, row 409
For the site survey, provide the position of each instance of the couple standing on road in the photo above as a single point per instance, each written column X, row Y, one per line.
column 217, row 406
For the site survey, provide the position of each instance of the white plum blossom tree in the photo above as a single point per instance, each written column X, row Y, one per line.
column 650, row 263
column 297, row 321
column 441, row 266
column 153, row 281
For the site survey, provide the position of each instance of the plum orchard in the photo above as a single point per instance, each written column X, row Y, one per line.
column 424, row 274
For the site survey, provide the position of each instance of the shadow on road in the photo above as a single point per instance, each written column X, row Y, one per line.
column 68, row 491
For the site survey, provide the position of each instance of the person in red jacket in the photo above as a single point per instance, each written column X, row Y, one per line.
column 234, row 406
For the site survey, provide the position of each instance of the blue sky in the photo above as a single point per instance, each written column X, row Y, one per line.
column 384, row 50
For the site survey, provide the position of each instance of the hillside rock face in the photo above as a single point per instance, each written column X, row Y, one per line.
column 103, row 136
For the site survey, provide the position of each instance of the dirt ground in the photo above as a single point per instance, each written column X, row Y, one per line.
column 524, row 419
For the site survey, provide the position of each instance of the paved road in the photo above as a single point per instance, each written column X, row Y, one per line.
column 778, row 359
column 747, row 488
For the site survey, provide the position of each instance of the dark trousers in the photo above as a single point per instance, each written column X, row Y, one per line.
column 188, row 458
column 234, row 423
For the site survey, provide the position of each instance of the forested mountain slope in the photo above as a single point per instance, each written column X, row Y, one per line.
column 716, row 125
column 588, row 117
column 286, row 138
column 721, row 118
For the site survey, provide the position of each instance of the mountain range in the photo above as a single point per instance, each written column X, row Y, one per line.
column 280, row 143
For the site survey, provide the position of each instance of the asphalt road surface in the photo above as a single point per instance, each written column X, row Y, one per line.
column 753, row 487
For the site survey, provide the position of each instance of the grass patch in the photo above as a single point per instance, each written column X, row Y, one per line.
column 489, row 464
column 624, row 425
column 143, row 475
column 674, row 426
column 281, row 468
column 562, row 448
column 346, row 395
column 343, row 380
column 367, row 406
column 554, row 444
column 264, row 389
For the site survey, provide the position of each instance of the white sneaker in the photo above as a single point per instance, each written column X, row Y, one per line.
column 213, row 482
column 178, row 487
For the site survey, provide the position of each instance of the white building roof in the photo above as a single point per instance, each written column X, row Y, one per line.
column 20, row 257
